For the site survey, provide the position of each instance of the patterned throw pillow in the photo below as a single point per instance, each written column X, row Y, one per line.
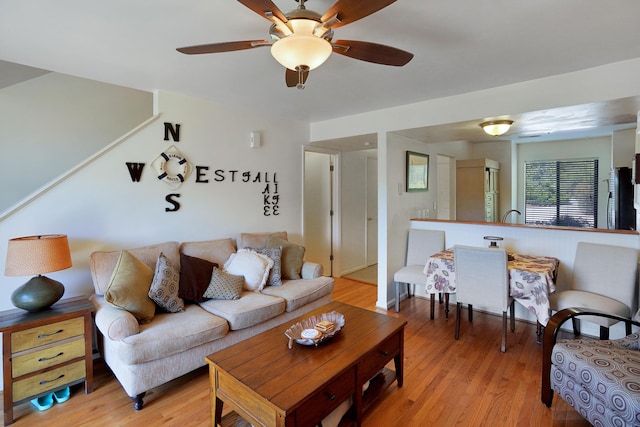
column 275, row 274
column 224, row 285
column 165, row 285
column 292, row 257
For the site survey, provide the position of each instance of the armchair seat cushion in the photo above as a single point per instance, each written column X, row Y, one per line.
column 601, row 379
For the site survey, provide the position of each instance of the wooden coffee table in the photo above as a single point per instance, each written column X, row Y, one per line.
column 268, row 384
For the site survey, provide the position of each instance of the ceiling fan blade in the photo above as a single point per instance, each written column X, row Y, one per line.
column 222, row 47
column 263, row 7
column 292, row 78
column 351, row 10
column 372, row 52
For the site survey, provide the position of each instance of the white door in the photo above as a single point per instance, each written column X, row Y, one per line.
column 372, row 211
column 318, row 176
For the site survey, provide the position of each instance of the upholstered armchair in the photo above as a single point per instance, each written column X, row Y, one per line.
column 599, row 378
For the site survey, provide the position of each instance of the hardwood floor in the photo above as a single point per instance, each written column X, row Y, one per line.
column 467, row 382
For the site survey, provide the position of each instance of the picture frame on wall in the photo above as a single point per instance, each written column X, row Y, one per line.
column 417, row 172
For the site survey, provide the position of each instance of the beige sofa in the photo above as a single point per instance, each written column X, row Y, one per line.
column 144, row 356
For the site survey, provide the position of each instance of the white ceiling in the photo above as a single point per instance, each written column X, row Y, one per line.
column 459, row 46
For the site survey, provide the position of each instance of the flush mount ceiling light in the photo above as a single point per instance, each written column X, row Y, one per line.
column 496, row 127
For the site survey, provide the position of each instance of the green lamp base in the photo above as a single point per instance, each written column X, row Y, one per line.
column 37, row 294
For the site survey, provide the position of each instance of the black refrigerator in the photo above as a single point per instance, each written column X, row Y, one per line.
column 621, row 213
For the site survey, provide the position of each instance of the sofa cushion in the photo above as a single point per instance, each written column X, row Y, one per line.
column 292, row 257
column 253, row 266
column 129, row 287
column 275, row 274
column 102, row 263
column 300, row 292
column 251, row 309
column 257, row 240
column 216, row 251
column 224, row 285
column 171, row 333
column 165, row 286
column 195, row 274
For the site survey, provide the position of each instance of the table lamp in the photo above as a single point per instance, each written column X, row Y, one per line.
column 37, row 255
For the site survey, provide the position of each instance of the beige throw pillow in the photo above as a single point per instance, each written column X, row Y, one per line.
column 292, row 257
column 129, row 287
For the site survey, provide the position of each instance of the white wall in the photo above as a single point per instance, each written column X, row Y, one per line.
column 99, row 207
column 53, row 122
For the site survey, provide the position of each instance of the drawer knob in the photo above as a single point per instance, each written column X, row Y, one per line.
column 59, row 331
column 331, row 396
column 384, row 352
column 43, row 382
column 44, row 359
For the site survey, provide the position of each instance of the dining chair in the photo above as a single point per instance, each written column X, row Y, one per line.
column 421, row 244
column 605, row 279
column 482, row 278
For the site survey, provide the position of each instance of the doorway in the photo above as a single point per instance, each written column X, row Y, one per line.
column 318, row 209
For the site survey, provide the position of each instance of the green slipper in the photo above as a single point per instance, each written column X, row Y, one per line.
column 43, row 403
column 62, row 395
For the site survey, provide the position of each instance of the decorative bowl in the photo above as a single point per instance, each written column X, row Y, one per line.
column 294, row 333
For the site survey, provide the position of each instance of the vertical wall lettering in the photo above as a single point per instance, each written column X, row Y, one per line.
column 271, row 197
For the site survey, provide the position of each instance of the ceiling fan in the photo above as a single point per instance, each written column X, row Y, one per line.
column 302, row 39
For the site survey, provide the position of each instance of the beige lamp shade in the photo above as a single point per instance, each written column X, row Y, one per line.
column 31, row 255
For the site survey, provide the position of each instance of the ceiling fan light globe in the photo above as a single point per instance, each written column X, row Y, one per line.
column 296, row 50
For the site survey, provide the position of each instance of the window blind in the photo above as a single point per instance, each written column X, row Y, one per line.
column 562, row 192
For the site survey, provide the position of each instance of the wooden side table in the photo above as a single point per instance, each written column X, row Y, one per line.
column 45, row 351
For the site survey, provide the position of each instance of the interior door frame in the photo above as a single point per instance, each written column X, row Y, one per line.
column 334, row 203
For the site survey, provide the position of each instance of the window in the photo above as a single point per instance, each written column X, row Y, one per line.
column 563, row 192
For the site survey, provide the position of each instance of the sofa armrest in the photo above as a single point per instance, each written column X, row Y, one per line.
column 114, row 323
column 311, row 270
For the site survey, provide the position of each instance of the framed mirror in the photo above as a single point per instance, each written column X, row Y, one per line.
column 417, row 172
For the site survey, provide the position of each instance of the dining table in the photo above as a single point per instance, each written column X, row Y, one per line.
column 531, row 279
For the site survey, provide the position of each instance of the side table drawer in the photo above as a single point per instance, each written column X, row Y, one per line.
column 375, row 360
column 46, row 334
column 54, row 355
column 326, row 399
column 50, row 380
